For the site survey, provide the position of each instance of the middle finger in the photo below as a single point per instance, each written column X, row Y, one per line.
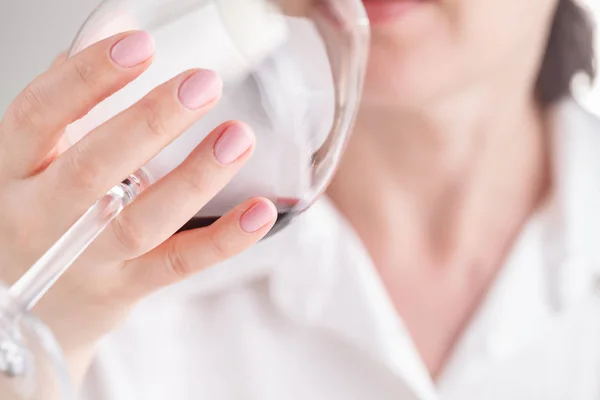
column 122, row 145
column 165, row 207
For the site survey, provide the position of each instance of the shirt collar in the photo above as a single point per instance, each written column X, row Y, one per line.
column 327, row 282
column 553, row 266
column 574, row 235
column 576, row 150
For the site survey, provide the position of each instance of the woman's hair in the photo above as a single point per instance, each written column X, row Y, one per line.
column 570, row 51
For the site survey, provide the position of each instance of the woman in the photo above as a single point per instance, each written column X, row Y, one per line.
column 453, row 258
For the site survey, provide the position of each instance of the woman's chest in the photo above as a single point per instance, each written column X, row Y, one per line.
column 436, row 304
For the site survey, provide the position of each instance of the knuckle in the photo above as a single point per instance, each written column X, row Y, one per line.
column 83, row 170
column 21, row 233
column 176, row 263
column 128, row 237
column 20, row 221
column 194, row 184
column 152, row 116
column 218, row 246
column 28, row 109
column 85, row 72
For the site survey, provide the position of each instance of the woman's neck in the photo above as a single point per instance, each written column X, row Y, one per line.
column 439, row 183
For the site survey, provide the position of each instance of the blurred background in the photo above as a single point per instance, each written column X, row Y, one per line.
column 33, row 32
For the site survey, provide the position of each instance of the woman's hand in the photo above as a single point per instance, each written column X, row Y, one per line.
column 42, row 193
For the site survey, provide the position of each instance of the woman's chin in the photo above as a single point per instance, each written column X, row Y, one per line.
column 409, row 73
column 400, row 90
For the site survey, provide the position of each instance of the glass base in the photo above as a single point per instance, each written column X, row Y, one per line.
column 32, row 366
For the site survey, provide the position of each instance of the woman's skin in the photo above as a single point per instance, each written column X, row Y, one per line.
column 447, row 163
column 448, row 158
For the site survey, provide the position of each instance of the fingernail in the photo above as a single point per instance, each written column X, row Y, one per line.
column 233, row 143
column 200, row 89
column 133, row 50
column 257, row 217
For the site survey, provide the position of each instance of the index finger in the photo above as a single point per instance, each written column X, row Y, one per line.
column 36, row 119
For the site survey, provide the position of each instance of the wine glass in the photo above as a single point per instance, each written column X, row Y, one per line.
column 292, row 69
column 31, row 362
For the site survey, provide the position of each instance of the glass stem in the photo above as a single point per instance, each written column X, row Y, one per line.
column 27, row 291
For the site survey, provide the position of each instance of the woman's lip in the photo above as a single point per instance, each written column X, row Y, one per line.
column 382, row 11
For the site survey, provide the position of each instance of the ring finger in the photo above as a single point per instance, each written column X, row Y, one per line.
column 171, row 202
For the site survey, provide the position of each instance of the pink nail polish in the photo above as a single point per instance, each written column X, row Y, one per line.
column 257, row 217
column 199, row 89
column 133, row 50
column 233, row 143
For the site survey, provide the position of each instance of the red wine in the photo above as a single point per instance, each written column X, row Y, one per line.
column 283, row 219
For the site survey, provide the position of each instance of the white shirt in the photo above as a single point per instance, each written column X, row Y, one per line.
column 303, row 315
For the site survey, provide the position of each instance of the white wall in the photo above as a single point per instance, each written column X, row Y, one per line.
column 33, row 32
